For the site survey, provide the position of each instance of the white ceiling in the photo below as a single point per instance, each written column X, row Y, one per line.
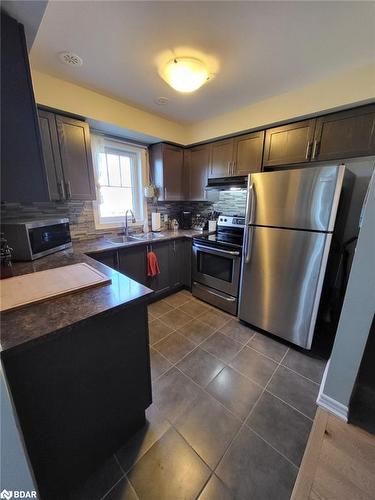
column 262, row 48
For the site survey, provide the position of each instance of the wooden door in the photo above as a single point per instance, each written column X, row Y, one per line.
column 248, row 151
column 173, row 164
column 160, row 283
column 133, row 263
column 197, row 165
column 74, row 140
column 346, row 134
column 221, row 159
column 289, row 144
column 51, row 154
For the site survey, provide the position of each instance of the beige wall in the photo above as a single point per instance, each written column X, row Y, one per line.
column 340, row 90
column 69, row 97
column 350, row 88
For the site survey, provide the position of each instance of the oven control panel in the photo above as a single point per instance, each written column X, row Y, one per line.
column 231, row 221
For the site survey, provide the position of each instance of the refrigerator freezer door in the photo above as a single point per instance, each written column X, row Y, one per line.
column 282, row 281
column 305, row 198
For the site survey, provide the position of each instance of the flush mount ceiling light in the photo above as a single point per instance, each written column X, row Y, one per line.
column 185, row 74
column 70, row 59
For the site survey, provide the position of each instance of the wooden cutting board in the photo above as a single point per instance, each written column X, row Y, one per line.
column 20, row 291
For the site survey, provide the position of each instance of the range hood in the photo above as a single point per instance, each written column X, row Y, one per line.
column 227, row 183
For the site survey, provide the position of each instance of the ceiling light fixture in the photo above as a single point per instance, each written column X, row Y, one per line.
column 185, row 74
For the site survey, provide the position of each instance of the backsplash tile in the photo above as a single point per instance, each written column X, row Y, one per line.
column 81, row 214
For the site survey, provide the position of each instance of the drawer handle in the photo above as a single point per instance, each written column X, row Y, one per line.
column 228, row 299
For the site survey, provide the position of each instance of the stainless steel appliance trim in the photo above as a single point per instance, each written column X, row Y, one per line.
column 249, row 241
column 217, row 294
column 336, row 197
column 228, row 287
column 318, row 290
column 37, row 223
column 214, row 250
column 34, row 256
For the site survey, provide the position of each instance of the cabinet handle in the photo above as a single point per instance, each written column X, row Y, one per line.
column 229, row 167
column 315, row 151
column 165, row 193
column 60, row 187
column 174, row 246
column 68, row 190
column 308, row 149
column 233, row 167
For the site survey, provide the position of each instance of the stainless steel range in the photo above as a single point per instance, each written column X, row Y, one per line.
column 216, row 264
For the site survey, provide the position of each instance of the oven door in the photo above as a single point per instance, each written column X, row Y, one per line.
column 217, row 268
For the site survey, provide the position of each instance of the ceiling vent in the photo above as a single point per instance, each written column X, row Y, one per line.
column 162, row 101
column 71, row 59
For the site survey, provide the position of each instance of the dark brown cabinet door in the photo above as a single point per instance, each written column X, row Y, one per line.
column 74, row 140
column 289, row 144
column 161, row 282
column 345, row 134
column 23, row 177
column 221, row 159
column 51, row 154
column 197, row 165
column 177, row 263
column 133, row 263
column 167, row 169
column 108, row 258
column 173, row 162
column 248, row 151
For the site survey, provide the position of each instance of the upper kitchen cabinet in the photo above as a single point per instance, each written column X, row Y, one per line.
column 289, row 144
column 75, row 149
column 23, row 177
column 51, row 153
column 167, row 169
column 197, row 164
column 248, row 151
column 67, row 157
column 221, row 164
column 345, row 134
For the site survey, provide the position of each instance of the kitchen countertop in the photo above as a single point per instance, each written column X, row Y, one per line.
column 102, row 244
column 37, row 322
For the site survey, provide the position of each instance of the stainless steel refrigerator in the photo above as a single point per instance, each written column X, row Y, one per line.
column 290, row 220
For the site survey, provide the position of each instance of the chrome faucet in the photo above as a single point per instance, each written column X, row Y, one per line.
column 126, row 229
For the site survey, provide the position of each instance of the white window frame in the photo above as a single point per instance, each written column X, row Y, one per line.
column 139, row 176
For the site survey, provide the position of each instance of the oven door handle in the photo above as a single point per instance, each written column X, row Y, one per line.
column 216, row 251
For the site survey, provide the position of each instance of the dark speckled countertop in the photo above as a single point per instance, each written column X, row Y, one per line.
column 34, row 323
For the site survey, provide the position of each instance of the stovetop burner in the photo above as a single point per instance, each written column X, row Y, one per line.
column 229, row 233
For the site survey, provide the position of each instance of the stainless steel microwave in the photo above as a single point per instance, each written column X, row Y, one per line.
column 31, row 240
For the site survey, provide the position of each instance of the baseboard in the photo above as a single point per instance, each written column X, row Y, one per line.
column 333, row 406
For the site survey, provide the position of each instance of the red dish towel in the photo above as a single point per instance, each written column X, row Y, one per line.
column 152, row 264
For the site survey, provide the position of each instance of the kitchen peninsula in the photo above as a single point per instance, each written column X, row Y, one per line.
column 72, row 414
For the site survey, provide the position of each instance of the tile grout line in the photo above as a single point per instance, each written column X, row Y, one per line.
column 227, row 365
column 245, row 420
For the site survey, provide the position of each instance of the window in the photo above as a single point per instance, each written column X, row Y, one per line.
column 119, row 172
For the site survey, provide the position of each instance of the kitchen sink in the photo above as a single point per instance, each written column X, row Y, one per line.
column 135, row 237
column 148, row 236
column 121, row 239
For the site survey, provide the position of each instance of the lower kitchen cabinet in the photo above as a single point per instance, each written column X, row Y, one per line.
column 174, row 259
column 177, row 268
column 161, row 282
column 108, row 258
column 132, row 261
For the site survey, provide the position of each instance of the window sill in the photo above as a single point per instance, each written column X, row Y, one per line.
column 112, row 226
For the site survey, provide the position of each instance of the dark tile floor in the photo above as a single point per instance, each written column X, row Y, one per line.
column 231, row 415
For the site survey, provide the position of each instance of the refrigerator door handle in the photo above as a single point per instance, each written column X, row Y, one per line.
column 250, row 210
column 248, row 243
